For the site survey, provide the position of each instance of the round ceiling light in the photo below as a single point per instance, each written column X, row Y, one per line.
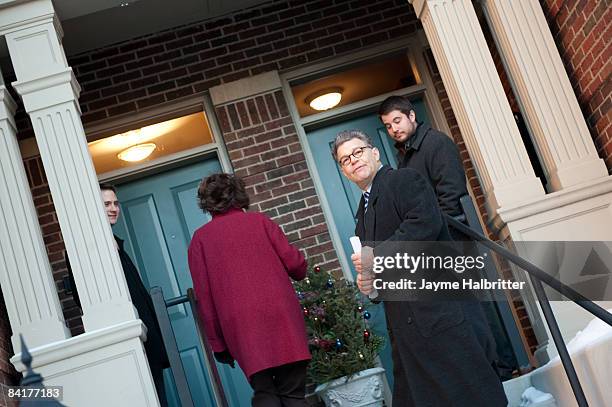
column 137, row 153
column 325, row 99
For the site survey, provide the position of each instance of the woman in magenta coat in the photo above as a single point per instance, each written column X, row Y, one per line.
column 241, row 264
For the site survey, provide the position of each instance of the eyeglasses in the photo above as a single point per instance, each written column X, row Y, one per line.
column 357, row 153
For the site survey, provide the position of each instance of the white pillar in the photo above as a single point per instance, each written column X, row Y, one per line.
column 479, row 102
column 544, row 92
column 25, row 274
column 50, row 91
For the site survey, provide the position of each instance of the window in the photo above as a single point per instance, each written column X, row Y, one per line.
column 357, row 83
column 158, row 140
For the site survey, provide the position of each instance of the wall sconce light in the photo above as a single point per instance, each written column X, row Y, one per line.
column 325, row 99
column 137, row 153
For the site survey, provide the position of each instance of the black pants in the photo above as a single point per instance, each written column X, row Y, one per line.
column 158, row 380
column 280, row 386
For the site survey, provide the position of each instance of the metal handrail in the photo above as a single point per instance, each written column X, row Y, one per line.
column 176, row 364
column 538, row 276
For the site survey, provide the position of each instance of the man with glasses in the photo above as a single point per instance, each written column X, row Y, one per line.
column 437, row 360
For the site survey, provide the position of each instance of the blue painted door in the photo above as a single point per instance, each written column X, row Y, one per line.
column 343, row 196
column 159, row 216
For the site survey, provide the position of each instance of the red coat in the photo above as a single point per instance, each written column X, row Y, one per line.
column 240, row 264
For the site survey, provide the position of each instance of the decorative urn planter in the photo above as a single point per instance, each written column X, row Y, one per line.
column 364, row 388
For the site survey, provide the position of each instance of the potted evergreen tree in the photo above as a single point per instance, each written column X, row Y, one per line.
column 343, row 347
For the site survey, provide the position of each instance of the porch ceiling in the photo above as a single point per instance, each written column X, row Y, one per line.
column 93, row 24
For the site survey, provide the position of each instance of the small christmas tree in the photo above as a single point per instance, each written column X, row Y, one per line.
column 340, row 341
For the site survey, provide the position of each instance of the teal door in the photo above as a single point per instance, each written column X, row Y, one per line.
column 159, row 216
column 343, row 196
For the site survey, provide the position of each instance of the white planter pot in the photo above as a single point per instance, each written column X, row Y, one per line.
column 362, row 389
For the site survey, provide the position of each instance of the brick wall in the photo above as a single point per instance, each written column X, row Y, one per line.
column 52, row 237
column 135, row 75
column 583, row 31
column 263, row 146
column 146, row 72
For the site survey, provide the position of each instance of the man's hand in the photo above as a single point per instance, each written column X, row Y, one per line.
column 363, row 265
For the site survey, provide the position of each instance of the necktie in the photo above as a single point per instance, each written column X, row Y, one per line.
column 366, row 197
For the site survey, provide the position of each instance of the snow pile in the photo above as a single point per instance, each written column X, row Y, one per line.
column 532, row 397
column 592, row 333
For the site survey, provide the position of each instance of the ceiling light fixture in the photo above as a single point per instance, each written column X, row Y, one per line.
column 137, row 153
column 325, row 99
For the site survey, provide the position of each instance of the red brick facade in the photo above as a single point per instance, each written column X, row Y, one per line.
column 583, row 33
column 52, row 236
column 260, row 136
column 264, row 148
column 135, row 75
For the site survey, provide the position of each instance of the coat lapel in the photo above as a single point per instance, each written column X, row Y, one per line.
column 359, row 227
column 370, row 215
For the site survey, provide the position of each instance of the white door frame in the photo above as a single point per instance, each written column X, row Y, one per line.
column 424, row 87
column 200, row 103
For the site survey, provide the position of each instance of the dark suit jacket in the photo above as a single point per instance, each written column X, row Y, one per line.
column 154, row 346
column 437, row 357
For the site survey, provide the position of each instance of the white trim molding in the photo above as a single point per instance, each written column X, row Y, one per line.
column 244, row 88
column 107, row 367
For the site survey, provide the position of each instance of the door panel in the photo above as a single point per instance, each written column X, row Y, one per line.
column 160, row 214
column 343, row 196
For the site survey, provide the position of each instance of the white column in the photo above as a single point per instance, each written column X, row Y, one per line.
column 50, row 91
column 479, row 102
column 544, row 92
column 25, row 274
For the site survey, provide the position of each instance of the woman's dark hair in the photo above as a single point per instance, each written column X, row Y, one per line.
column 220, row 192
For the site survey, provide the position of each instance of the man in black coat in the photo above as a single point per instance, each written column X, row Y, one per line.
column 437, row 358
column 430, row 152
column 154, row 345
column 436, row 157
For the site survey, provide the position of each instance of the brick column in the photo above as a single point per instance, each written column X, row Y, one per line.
column 265, row 150
column 544, row 92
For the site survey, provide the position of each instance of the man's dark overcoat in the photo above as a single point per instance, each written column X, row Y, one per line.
column 437, row 357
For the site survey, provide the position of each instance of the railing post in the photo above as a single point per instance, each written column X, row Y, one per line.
column 176, row 364
column 537, row 276
column 566, row 360
column 210, row 360
column 535, row 271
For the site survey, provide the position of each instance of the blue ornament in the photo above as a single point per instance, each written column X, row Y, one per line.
column 366, row 314
column 330, row 283
column 338, row 344
column 300, row 295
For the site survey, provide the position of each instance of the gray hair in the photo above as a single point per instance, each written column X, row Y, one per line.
column 348, row 135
